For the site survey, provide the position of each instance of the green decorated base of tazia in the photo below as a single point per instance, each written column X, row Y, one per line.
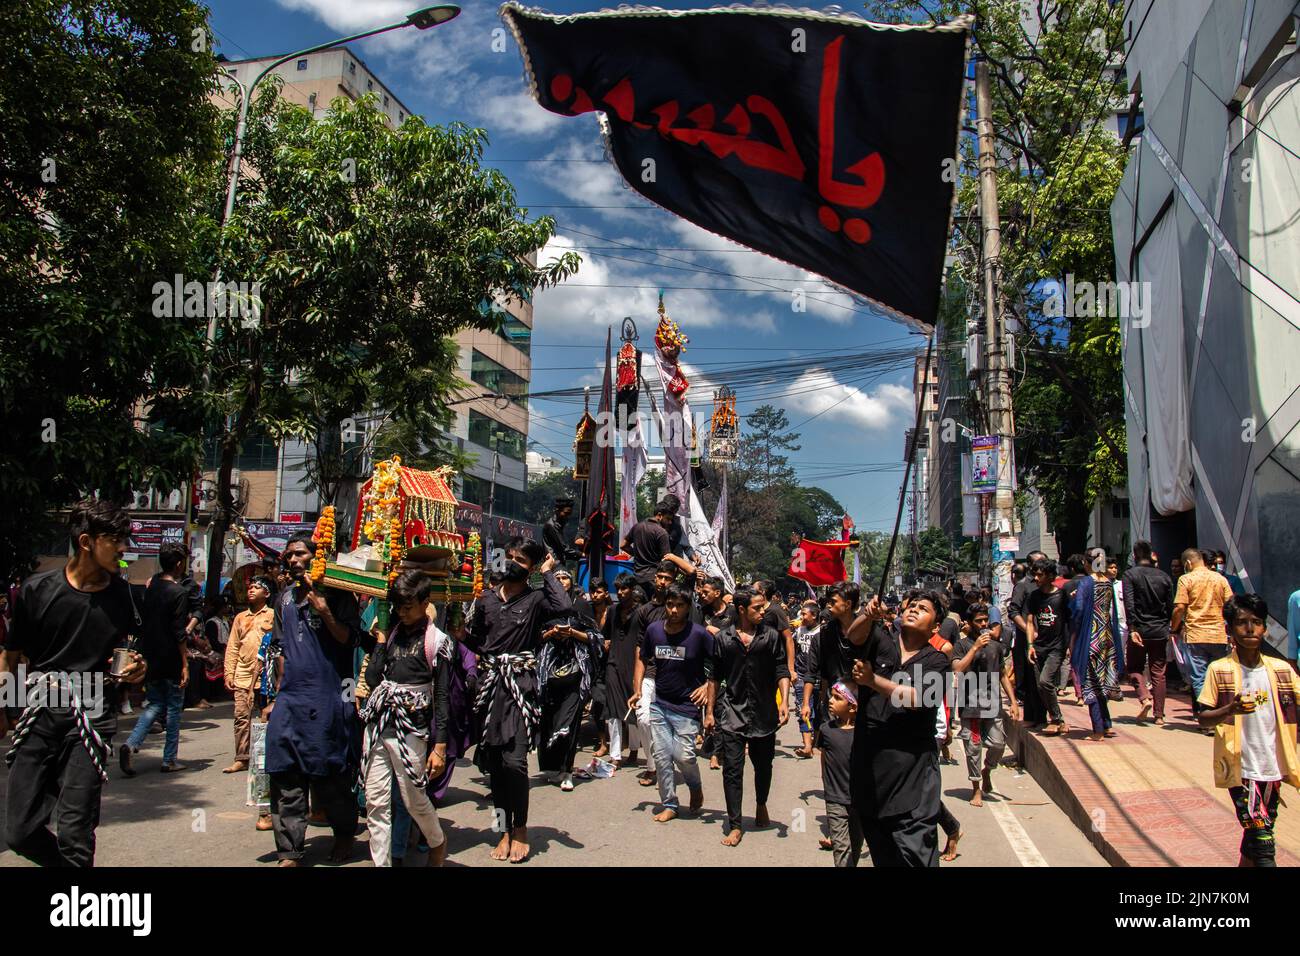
column 375, row 583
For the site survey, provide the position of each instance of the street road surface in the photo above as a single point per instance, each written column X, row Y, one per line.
column 198, row 817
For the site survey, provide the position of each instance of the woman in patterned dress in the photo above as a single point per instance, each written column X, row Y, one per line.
column 1096, row 654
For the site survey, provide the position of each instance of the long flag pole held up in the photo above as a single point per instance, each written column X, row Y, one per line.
column 907, row 470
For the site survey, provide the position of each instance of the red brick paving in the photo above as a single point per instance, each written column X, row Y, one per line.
column 1147, row 796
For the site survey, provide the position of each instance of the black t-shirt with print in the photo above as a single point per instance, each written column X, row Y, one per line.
column 979, row 689
column 1051, row 614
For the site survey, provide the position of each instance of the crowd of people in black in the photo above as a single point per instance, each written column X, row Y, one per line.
column 666, row 663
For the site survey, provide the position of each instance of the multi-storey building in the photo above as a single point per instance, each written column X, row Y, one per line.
column 1207, row 218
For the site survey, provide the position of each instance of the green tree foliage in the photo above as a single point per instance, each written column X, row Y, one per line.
column 768, row 505
column 107, row 143
column 1058, row 171
column 372, row 245
column 539, row 501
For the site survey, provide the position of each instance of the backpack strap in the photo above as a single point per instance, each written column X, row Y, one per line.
column 435, row 643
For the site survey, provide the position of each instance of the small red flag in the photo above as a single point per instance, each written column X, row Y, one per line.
column 819, row 562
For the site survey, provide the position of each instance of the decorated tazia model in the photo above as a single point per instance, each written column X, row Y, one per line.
column 584, row 441
column 724, row 428
column 406, row 519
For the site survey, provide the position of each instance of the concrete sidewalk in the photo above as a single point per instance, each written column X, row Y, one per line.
column 1146, row 797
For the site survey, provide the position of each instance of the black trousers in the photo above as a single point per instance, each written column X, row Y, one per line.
column 561, row 711
column 53, row 778
column 732, row 750
column 333, row 793
column 507, row 770
column 947, row 822
column 1052, row 668
column 908, row 840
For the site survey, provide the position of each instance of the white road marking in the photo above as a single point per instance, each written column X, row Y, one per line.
column 1023, row 846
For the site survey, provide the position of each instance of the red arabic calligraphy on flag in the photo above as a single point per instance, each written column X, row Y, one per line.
column 820, row 140
column 819, row 562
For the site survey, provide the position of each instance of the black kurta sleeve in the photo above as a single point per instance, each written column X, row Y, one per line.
column 782, row 662
column 375, row 667
column 556, row 600
column 477, row 630
column 343, row 605
column 441, row 700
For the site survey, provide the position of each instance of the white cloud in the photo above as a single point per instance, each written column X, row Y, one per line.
column 352, row 16
column 504, row 105
column 820, row 393
column 456, row 61
column 605, row 290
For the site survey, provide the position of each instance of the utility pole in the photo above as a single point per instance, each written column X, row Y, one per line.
column 1001, row 518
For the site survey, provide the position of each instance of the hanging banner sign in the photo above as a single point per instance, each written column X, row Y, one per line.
column 148, row 537
column 984, row 464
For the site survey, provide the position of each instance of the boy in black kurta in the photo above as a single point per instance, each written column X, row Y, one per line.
column 505, row 633
column 408, row 677
column 895, row 775
column 750, row 661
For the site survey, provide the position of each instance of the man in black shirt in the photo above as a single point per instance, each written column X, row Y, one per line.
column 648, row 543
column 831, row 655
column 408, row 675
column 68, row 622
column 1026, row 680
column 644, row 689
column 553, row 534
column 750, row 657
column 1149, row 606
column 895, row 776
column 710, row 609
column 777, row 618
column 1047, row 617
column 981, row 660
column 683, row 656
column 166, row 614
column 505, row 632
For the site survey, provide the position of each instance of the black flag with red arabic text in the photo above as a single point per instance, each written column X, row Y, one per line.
column 825, row 141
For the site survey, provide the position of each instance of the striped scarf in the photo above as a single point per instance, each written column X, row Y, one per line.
column 504, row 669
column 405, row 708
column 90, row 738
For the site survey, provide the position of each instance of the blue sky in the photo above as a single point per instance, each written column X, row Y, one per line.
column 849, row 420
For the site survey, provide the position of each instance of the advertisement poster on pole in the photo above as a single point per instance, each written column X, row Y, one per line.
column 984, row 464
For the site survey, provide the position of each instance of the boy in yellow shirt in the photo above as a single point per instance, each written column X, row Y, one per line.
column 1249, row 700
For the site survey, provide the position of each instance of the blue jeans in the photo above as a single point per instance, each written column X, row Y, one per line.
column 402, row 827
column 1199, row 657
column 672, row 739
column 160, row 697
column 797, row 710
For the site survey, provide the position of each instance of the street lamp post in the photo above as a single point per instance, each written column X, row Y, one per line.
column 421, row 19
column 492, row 488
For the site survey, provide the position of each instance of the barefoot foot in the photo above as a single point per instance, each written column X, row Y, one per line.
column 502, row 851
column 733, row 838
column 950, row 848
column 663, row 816
column 518, row 844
